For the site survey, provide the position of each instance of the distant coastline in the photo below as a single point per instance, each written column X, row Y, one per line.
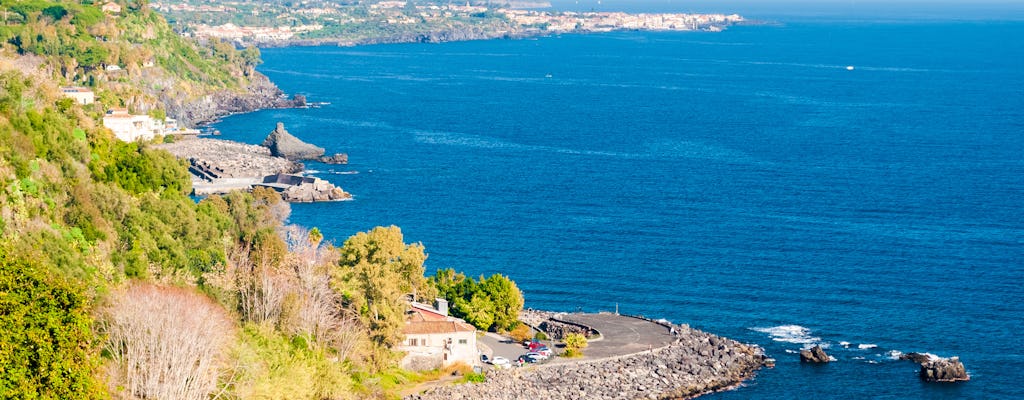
column 402, row 22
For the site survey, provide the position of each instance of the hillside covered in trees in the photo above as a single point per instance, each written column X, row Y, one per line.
column 115, row 283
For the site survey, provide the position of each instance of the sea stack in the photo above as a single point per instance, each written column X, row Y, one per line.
column 283, row 144
column 814, row 355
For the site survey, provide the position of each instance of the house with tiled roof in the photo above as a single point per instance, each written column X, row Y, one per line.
column 434, row 339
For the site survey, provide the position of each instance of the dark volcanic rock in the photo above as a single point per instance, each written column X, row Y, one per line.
column 339, row 158
column 283, row 144
column 916, row 357
column 260, row 94
column 815, row 355
column 944, row 370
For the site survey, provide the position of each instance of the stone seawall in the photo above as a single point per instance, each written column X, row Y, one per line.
column 696, row 363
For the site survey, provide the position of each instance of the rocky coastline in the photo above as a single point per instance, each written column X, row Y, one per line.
column 695, row 363
column 260, row 94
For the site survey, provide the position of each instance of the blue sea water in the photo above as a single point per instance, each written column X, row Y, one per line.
column 744, row 182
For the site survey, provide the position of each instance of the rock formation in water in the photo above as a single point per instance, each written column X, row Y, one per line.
column 936, row 369
column 814, row 355
column 944, row 370
column 283, row 144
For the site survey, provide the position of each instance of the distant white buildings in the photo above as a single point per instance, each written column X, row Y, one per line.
column 81, row 95
column 130, row 128
column 111, row 7
column 433, row 339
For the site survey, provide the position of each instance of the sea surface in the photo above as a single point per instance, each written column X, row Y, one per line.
column 747, row 183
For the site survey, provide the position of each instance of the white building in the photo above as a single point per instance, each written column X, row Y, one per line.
column 433, row 339
column 81, row 95
column 130, row 128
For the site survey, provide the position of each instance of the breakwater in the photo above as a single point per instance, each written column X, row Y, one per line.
column 694, row 363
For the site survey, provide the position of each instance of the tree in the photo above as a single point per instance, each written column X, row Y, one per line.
column 376, row 276
column 493, row 303
column 506, row 299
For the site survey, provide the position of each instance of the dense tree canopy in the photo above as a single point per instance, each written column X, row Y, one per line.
column 490, row 304
column 47, row 348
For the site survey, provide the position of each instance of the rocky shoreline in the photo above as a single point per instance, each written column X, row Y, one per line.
column 260, row 94
column 695, row 363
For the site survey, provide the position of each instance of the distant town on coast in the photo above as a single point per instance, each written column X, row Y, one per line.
column 318, row 22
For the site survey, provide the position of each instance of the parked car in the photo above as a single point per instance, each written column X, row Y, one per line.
column 501, row 362
column 527, row 359
column 544, row 351
column 537, row 356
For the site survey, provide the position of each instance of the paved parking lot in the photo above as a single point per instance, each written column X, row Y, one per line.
column 619, row 335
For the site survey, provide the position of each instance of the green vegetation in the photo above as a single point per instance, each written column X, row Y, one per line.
column 273, row 366
column 102, row 249
column 493, row 303
column 574, row 345
column 47, row 348
column 377, row 273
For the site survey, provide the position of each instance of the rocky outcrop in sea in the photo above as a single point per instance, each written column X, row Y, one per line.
column 938, row 369
column 284, row 144
column 814, row 355
column 696, row 363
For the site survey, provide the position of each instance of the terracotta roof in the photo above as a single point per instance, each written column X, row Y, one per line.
column 426, row 313
column 428, row 327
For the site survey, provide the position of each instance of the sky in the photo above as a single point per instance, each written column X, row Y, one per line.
column 859, row 9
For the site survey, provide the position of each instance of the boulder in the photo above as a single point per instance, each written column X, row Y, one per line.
column 814, row 355
column 339, row 158
column 283, row 144
column 916, row 357
column 944, row 370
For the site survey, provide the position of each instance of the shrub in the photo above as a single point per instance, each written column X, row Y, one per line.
column 541, row 336
column 47, row 349
column 272, row 365
column 520, row 333
column 166, row 342
column 574, row 344
column 474, row 377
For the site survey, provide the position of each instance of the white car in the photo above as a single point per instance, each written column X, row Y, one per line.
column 537, row 356
column 501, row 362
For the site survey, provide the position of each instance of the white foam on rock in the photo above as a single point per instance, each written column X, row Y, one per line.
column 895, row 354
column 792, row 334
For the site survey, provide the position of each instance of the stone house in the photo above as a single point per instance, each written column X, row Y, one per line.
column 433, row 339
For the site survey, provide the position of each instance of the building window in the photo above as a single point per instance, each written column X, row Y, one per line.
column 412, row 342
column 463, row 341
